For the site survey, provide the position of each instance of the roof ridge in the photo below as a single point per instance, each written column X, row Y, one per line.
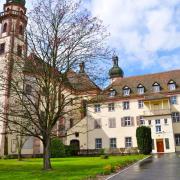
column 158, row 73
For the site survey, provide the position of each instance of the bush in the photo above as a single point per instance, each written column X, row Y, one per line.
column 102, row 152
column 108, row 169
column 144, row 140
column 104, row 156
column 8, row 157
column 57, row 148
column 69, row 151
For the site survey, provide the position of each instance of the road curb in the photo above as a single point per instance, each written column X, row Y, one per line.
column 121, row 171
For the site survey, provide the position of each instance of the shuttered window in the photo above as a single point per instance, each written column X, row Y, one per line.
column 127, row 121
column 112, row 123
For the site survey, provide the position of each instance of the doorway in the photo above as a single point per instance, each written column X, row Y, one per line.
column 75, row 145
column 160, row 145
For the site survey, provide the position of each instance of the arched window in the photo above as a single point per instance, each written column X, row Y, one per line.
column 21, row 30
column 5, row 28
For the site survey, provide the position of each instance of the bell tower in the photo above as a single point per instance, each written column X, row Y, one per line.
column 13, row 22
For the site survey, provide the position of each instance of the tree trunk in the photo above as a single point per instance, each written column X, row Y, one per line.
column 46, row 154
column 19, row 154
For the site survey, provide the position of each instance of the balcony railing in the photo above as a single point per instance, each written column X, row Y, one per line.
column 157, row 112
column 13, row 12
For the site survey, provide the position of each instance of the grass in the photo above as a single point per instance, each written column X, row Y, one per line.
column 76, row 168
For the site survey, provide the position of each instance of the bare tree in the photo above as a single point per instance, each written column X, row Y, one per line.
column 61, row 34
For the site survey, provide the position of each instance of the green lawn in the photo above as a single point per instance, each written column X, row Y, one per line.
column 63, row 168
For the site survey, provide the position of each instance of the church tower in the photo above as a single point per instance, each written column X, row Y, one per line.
column 115, row 72
column 13, row 22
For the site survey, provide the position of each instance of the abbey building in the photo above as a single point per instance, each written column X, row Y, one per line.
column 129, row 102
column 111, row 116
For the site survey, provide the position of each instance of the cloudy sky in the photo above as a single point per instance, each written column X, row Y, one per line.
column 145, row 33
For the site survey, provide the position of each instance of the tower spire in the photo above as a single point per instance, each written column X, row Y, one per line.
column 115, row 71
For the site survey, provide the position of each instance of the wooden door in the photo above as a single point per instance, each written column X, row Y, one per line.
column 160, row 145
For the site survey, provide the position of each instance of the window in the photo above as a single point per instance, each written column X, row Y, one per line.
column 128, row 142
column 165, row 121
column 76, row 134
column 21, row 31
column 28, row 89
column 5, row 28
column 152, row 143
column 127, row 121
column 140, row 89
column 126, row 91
column 158, row 129
column 158, row 121
column 142, row 121
column 140, row 104
column 112, row 123
column 19, row 50
column 172, row 85
column 167, row 143
column 158, row 125
column 112, row 93
column 111, row 107
column 2, row 48
column 177, row 139
column 97, row 108
column 176, row 117
column 71, row 123
column 112, row 142
column 97, row 124
column 173, row 100
column 126, row 105
column 98, row 143
column 156, row 87
column 149, row 122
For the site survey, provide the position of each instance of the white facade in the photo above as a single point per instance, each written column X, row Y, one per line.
column 156, row 113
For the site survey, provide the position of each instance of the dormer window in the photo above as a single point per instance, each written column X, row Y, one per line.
column 126, row 91
column 172, row 85
column 156, row 87
column 140, row 89
column 112, row 93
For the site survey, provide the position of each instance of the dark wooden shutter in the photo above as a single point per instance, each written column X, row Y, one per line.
column 132, row 121
column 122, row 122
column 138, row 120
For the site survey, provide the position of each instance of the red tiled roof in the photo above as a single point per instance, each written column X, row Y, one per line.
column 146, row 80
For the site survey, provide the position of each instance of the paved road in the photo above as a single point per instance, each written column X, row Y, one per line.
column 158, row 167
